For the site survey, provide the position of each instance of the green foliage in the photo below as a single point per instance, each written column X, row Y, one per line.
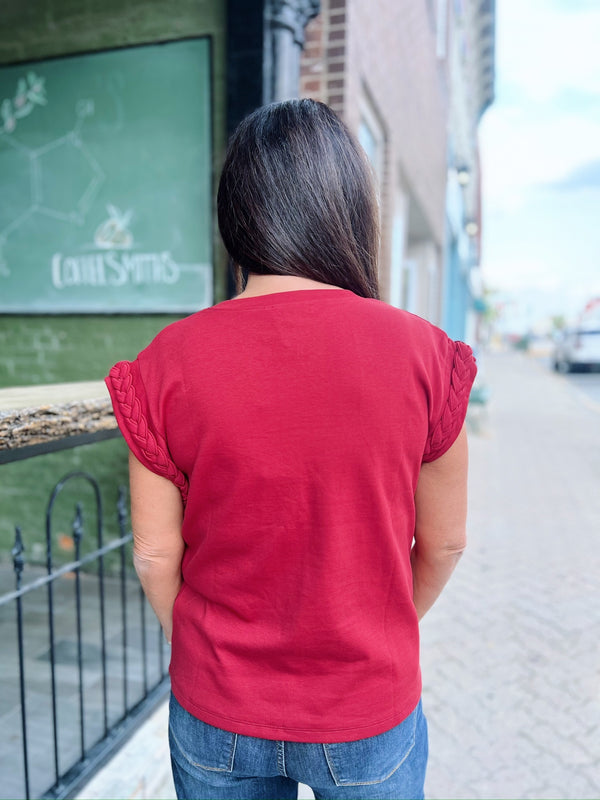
column 559, row 322
column 522, row 343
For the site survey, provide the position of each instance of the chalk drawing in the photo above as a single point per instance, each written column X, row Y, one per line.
column 31, row 92
column 114, row 233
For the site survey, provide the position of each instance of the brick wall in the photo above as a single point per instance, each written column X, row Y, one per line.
column 323, row 68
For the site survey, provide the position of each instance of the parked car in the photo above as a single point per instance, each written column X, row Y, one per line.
column 578, row 348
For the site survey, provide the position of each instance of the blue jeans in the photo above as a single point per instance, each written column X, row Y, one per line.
column 211, row 763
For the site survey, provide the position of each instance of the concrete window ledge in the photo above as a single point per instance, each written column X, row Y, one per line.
column 38, row 415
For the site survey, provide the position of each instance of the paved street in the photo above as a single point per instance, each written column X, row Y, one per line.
column 511, row 653
column 588, row 383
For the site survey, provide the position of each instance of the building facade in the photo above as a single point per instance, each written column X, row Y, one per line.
column 376, row 65
column 470, row 55
column 398, row 73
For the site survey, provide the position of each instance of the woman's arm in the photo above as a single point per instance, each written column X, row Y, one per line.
column 441, row 517
column 156, row 516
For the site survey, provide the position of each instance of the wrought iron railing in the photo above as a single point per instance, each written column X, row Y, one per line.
column 88, row 664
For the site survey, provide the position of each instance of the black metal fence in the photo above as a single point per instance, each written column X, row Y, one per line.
column 83, row 658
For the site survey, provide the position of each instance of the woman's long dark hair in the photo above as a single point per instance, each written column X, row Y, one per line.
column 296, row 197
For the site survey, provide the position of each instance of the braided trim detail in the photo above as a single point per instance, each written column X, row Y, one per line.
column 153, row 453
column 462, row 375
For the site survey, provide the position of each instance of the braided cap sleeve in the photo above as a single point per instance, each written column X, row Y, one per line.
column 139, row 430
column 444, row 432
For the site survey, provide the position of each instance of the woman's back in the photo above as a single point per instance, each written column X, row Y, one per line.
column 301, row 420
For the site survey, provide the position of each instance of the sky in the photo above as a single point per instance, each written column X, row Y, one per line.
column 540, row 149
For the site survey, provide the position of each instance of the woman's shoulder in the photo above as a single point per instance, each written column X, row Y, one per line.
column 181, row 334
column 398, row 319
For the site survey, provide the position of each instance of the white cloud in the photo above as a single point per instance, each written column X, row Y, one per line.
column 552, row 240
column 543, row 127
column 544, row 49
column 519, row 151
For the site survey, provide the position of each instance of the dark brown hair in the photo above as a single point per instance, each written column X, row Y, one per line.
column 296, row 197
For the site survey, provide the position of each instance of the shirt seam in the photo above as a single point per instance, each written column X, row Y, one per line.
column 291, row 728
column 276, row 299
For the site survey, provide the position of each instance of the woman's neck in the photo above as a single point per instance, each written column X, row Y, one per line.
column 269, row 284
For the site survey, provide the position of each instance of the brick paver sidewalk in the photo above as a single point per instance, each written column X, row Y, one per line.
column 511, row 652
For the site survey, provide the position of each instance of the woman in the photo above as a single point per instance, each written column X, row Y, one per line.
column 298, row 485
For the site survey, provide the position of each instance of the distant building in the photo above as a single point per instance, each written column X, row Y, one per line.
column 471, row 65
column 376, row 64
column 411, row 78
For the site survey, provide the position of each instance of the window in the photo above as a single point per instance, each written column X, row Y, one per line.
column 409, row 286
column 398, row 247
column 372, row 137
column 441, row 28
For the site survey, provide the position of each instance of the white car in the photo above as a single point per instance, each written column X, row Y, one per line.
column 578, row 348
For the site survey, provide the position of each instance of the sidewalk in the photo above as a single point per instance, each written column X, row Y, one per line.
column 141, row 769
column 511, row 654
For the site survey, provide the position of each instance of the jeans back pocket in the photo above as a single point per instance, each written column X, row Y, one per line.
column 375, row 759
column 200, row 744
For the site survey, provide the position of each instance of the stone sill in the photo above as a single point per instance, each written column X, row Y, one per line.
column 33, row 415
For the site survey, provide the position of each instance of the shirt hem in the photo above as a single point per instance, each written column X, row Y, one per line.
column 293, row 734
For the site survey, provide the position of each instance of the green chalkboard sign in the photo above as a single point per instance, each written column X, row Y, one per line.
column 105, row 181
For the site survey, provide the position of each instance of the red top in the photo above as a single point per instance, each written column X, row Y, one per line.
column 295, row 425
